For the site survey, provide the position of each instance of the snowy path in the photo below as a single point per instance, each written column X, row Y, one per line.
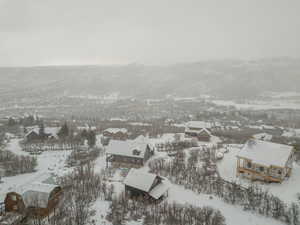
column 15, row 147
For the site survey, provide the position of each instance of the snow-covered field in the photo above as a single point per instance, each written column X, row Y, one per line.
column 50, row 163
column 233, row 214
column 259, row 105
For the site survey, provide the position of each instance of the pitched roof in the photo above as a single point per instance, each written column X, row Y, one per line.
column 37, row 194
column 160, row 189
column 266, row 153
column 52, row 131
column 205, row 131
column 140, row 180
column 133, row 148
column 116, row 130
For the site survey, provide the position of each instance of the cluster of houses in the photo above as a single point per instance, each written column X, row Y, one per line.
column 259, row 159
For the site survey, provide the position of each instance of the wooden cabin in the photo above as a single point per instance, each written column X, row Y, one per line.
column 128, row 154
column 51, row 133
column 116, row 133
column 198, row 129
column 36, row 199
column 146, row 185
column 266, row 161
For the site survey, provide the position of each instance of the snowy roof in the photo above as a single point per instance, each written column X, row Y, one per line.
column 205, row 130
column 198, row 124
column 116, row 130
column 37, row 194
column 140, row 180
column 266, row 153
column 160, row 189
column 133, row 148
column 53, row 131
column 263, row 136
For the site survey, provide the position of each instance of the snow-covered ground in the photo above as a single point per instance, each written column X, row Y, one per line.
column 50, row 163
column 233, row 214
column 287, row 190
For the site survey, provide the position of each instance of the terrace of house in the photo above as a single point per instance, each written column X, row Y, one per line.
column 125, row 159
column 247, row 165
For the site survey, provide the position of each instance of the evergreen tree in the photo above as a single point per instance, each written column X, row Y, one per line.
column 91, row 139
column 64, row 131
column 42, row 133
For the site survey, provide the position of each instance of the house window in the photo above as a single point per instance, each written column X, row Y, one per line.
column 249, row 164
column 279, row 172
column 261, row 169
column 14, row 198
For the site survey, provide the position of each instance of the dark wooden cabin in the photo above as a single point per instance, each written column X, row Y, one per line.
column 145, row 185
column 128, row 154
column 116, row 133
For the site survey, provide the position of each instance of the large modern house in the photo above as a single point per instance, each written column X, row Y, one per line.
column 267, row 161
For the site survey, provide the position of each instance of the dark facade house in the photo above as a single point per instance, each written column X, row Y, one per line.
column 266, row 161
column 116, row 133
column 37, row 199
column 146, row 185
column 33, row 134
column 198, row 129
column 130, row 153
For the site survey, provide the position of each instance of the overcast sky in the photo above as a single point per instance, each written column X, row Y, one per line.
column 41, row 32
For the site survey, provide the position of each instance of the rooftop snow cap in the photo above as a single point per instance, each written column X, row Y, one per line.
column 266, row 153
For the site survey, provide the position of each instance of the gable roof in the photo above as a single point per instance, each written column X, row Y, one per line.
column 116, row 130
column 133, row 148
column 140, row 180
column 160, row 189
column 204, row 130
column 51, row 131
column 266, row 153
column 37, row 194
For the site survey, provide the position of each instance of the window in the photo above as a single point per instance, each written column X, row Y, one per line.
column 261, row 169
column 13, row 198
column 279, row 172
column 249, row 164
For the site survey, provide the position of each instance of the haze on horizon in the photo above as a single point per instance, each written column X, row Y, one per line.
column 35, row 32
